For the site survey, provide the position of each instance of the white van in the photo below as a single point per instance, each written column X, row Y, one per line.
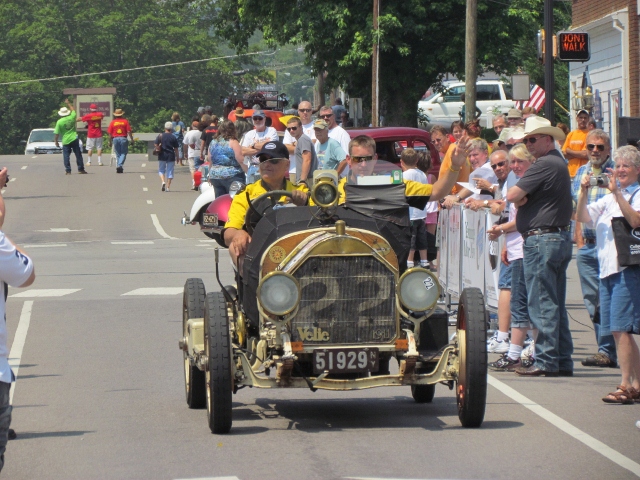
column 444, row 108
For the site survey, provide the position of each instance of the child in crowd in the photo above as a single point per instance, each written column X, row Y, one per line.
column 409, row 164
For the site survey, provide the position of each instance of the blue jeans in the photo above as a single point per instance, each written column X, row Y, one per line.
column 121, row 147
column 66, row 155
column 5, row 419
column 620, row 302
column 546, row 258
column 518, row 305
column 221, row 185
column 589, row 272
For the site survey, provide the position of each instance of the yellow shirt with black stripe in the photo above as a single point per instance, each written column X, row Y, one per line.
column 240, row 205
column 411, row 189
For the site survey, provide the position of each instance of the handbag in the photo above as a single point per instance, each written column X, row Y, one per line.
column 627, row 240
column 157, row 148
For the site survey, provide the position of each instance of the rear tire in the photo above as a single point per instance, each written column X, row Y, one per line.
column 219, row 381
column 193, row 300
column 471, row 388
column 423, row 393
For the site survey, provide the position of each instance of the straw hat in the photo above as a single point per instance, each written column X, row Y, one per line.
column 118, row 113
column 541, row 126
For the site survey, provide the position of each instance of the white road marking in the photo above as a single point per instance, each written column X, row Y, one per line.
column 141, row 177
column 46, row 292
column 207, row 241
column 3, row 190
column 24, row 168
column 12, row 179
column 134, row 242
column 46, row 245
column 154, row 291
column 145, row 189
column 64, row 230
column 209, row 478
column 596, row 445
column 159, row 229
column 149, row 202
column 35, row 156
column 144, row 165
column 18, row 342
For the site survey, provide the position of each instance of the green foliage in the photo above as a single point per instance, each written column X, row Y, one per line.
column 44, row 39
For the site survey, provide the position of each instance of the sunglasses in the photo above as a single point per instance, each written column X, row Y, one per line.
column 272, row 161
column 326, row 115
column 362, row 159
column 257, row 119
column 304, row 110
column 529, row 140
column 591, row 146
column 292, row 129
column 499, row 164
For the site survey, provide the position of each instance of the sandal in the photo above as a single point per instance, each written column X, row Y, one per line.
column 623, row 396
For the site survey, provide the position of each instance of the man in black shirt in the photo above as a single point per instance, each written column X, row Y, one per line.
column 543, row 198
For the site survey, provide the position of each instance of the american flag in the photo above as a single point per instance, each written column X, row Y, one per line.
column 536, row 99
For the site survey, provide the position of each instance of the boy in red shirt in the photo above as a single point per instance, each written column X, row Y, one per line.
column 93, row 120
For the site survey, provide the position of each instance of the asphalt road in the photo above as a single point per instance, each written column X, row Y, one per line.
column 100, row 392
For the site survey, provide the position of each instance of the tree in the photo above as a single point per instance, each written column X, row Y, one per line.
column 44, row 39
column 419, row 41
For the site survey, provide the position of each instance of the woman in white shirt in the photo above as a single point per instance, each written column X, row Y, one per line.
column 619, row 286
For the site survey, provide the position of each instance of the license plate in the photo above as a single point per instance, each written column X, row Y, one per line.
column 210, row 220
column 345, row 360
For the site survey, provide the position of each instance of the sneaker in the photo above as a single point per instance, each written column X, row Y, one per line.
column 164, row 187
column 12, row 434
column 527, row 353
column 495, row 346
column 67, row 173
column 89, row 162
column 119, row 170
column 599, row 360
column 492, row 337
column 82, row 172
column 505, row 364
column 167, row 189
column 528, row 341
column 100, row 164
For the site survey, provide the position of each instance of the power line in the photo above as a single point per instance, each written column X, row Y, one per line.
column 138, row 68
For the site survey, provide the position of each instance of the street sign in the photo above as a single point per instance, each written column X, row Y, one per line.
column 573, row 47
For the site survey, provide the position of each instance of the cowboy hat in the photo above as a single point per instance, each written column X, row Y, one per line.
column 239, row 112
column 542, row 126
column 118, row 113
column 64, row 111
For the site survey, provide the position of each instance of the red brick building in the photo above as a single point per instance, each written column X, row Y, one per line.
column 614, row 67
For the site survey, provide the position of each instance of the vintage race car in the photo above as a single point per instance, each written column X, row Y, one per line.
column 324, row 301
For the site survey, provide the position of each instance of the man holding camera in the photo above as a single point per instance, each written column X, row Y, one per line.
column 598, row 150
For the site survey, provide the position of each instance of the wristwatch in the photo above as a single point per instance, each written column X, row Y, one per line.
column 486, row 203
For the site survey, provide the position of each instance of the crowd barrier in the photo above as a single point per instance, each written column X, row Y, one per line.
column 467, row 258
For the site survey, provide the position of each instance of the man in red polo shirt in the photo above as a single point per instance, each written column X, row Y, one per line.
column 93, row 120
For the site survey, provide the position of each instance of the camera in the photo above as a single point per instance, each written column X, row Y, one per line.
column 599, row 181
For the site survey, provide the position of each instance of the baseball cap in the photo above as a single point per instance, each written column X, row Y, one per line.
column 93, row 106
column 258, row 113
column 275, row 149
column 168, row 126
column 320, row 124
column 514, row 113
column 586, row 112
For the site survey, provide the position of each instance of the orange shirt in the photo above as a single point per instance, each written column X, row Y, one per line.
column 576, row 140
column 465, row 170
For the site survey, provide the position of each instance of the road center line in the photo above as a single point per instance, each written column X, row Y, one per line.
column 12, row 179
column 159, row 229
column 141, row 177
column 149, row 202
column 566, row 427
column 15, row 355
column 145, row 189
column 24, row 168
column 144, row 165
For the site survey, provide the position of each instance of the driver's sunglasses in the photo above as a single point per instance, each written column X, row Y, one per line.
column 591, row 146
column 292, row 129
column 272, row 161
column 362, row 159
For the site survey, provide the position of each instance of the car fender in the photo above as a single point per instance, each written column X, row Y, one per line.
column 221, row 206
column 206, row 196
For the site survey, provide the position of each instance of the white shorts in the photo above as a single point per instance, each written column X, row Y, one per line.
column 192, row 164
column 94, row 143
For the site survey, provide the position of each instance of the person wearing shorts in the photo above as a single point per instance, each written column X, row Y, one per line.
column 409, row 163
column 191, row 142
column 168, row 155
column 93, row 119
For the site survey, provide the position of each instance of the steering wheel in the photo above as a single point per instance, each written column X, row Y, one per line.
column 273, row 196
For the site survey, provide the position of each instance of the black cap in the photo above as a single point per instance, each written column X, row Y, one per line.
column 275, row 149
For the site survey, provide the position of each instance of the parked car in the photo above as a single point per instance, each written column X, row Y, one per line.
column 40, row 141
column 443, row 108
column 324, row 301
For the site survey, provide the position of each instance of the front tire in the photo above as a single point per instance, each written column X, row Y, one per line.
column 471, row 388
column 219, row 381
column 193, row 300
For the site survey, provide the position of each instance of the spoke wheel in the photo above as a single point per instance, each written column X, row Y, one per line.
column 193, row 307
column 423, row 393
column 219, row 381
column 471, row 387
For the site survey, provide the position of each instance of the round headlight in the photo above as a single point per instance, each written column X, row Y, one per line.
column 419, row 289
column 324, row 194
column 279, row 293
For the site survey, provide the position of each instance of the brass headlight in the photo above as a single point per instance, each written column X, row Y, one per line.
column 279, row 293
column 325, row 193
column 418, row 289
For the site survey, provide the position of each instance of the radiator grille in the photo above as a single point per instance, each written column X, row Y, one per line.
column 352, row 298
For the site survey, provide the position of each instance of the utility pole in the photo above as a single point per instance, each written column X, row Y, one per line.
column 549, row 83
column 375, row 69
column 470, row 68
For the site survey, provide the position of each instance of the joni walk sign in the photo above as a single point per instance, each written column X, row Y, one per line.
column 573, row 47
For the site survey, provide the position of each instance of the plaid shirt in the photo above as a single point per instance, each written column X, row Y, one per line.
column 593, row 195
